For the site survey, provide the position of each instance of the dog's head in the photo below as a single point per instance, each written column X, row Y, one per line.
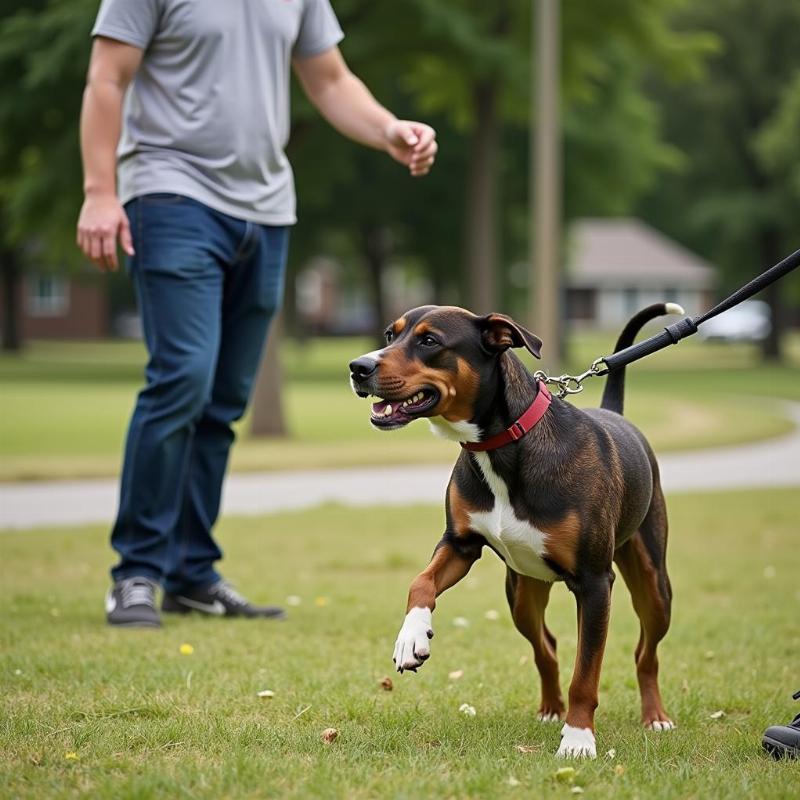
column 435, row 360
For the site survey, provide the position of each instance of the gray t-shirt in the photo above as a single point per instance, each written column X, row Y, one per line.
column 207, row 114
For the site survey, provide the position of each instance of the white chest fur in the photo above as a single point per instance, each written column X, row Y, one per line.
column 521, row 544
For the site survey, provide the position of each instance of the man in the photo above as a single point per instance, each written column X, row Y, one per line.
column 199, row 91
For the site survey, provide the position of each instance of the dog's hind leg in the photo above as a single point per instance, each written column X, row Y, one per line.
column 527, row 598
column 641, row 560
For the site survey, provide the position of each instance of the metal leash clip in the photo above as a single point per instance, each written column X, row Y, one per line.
column 570, row 384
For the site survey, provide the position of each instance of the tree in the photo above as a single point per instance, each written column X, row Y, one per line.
column 474, row 68
column 735, row 197
column 43, row 57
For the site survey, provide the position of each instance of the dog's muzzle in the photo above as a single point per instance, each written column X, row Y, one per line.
column 362, row 370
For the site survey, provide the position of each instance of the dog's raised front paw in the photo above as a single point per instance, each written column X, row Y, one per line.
column 576, row 743
column 412, row 647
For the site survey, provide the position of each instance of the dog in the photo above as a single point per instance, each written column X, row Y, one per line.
column 558, row 493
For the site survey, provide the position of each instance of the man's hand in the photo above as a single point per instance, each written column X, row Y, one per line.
column 413, row 144
column 101, row 221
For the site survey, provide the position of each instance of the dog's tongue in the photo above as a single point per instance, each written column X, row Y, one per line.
column 386, row 410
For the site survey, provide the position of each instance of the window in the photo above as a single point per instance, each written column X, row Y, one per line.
column 630, row 300
column 582, row 304
column 48, row 296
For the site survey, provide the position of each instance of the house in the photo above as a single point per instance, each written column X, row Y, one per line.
column 62, row 306
column 617, row 266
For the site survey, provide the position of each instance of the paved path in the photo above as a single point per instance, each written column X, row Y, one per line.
column 58, row 503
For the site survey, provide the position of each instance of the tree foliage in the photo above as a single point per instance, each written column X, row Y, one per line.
column 44, row 51
column 735, row 198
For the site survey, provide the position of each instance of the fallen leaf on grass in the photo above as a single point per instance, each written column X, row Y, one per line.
column 461, row 622
column 717, row 715
column 293, row 600
column 612, row 753
column 526, row 748
column 456, row 674
column 619, row 770
column 386, row 684
column 186, row 649
column 577, row 790
column 492, row 615
column 467, row 710
column 266, row 693
column 512, row 781
column 71, row 756
column 329, row 735
column 321, row 602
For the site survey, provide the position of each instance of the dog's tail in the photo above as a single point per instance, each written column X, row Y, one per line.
column 614, row 392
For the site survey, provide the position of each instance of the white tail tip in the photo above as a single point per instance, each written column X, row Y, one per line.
column 673, row 308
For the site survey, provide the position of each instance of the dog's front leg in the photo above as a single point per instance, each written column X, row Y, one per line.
column 593, row 595
column 450, row 563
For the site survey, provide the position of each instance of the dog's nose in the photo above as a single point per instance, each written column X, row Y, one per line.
column 363, row 367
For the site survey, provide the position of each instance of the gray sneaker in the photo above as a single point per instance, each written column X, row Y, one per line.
column 131, row 603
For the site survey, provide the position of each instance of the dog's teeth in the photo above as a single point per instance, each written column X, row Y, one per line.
column 388, row 411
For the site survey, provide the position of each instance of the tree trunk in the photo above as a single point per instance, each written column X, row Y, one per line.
column 771, row 347
column 376, row 241
column 12, row 298
column 481, row 221
column 267, row 418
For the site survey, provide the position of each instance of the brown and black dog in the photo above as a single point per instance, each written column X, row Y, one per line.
column 564, row 500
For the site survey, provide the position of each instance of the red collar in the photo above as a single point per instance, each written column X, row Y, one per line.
column 536, row 410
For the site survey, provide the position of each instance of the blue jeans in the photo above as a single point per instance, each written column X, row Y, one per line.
column 208, row 286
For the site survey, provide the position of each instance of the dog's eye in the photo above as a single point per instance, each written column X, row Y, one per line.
column 428, row 341
column 389, row 335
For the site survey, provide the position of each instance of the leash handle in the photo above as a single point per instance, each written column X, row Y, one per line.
column 672, row 334
column 687, row 326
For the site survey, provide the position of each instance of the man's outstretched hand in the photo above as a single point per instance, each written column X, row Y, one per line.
column 412, row 144
column 101, row 221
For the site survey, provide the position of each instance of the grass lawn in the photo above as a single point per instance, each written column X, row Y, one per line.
column 64, row 407
column 96, row 712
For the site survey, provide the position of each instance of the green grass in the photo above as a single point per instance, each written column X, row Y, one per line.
column 65, row 406
column 145, row 721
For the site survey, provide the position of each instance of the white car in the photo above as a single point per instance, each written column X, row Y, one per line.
column 748, row 322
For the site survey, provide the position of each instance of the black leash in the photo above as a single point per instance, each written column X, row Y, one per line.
column 688, row 326
column 672, row 334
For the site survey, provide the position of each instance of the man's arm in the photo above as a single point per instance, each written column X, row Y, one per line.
column 111, row 68
column 350, row 107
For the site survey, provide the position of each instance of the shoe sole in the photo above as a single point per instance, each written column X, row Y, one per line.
column 778, row 749
column 134, row 624
column 276, row 617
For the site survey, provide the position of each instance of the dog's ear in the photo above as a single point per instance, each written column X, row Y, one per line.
column 499, row 332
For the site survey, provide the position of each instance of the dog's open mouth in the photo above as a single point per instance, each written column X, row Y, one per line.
column 396, row 413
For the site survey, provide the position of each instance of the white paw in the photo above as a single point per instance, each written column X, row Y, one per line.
column 550, row 716
column 576, row 743
column 661, row 725
column 413, row 642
